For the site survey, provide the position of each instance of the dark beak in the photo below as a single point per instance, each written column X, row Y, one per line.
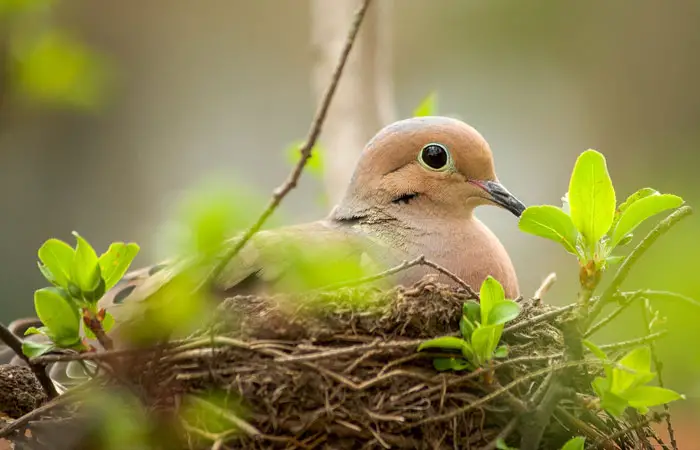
column 501, row 196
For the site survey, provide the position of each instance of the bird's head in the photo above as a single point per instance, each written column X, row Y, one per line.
column 439, row 165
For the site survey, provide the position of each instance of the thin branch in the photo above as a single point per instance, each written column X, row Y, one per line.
column 538, row 319
column 627, row 300
column 419, row 261
column 502, row 436
column 650, row 293
column 454, row 278
column 39, row 370
column 641, row 424
column 545, row 287
column 658, row 366
column 305, row 149
column 35, row 414
column 624, row 270
column 506, row 388
column 634, row 342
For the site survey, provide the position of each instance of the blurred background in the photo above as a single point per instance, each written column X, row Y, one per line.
column 110, row 112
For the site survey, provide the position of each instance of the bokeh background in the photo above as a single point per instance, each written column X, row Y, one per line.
column 111, row 111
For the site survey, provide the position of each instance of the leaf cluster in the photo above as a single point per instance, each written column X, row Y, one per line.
column 481, row 326
column 79, row 279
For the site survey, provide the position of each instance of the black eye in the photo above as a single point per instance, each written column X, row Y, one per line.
column 434, row 156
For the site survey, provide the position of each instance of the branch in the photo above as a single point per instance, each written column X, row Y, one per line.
column 650, row 293
column 624, row 303
column 545, row 287
column 622, row 273
column 634, row 342
column 646, row 307
column 39, row 370
column 639, row 425
column 537, row 319
column 35, row 414
column 405, row 265
column 305, row 149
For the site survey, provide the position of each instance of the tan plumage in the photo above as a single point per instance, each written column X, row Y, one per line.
column 395, row 208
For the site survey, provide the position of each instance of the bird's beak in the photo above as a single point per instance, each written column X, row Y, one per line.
column 500, row 195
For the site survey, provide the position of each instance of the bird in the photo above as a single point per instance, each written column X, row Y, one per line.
column 413, row 193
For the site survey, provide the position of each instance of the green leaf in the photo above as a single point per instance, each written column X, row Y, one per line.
column 47, row 274
column 490, row 294
column 643, row 397
column 575, row 443
column 613, row 404
column 597, row 351
column 443, row 364
column 108, row 322
column 591, row 197
column 314, row 165
column 484, row 341
column 86, row 270
column 444, row 343
column 34, row 330
column 638, row 360
column 612, row 260
column 600, row 386
column 427, row 106
column 59, row 315
column 551, row 223
column 503, row 312
column 501, row 352
column 466, row 327
column 641, row 210
column 644, row 192
column 34, row 349
column 57, row 257
column 116, row 261
column 472, row 310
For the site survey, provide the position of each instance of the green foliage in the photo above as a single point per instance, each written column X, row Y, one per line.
column 217, row 412
column 552, row 223
column 625, row 383
column 427, row 106
column 588, row 225
column 116, row 261
column 575, row 443
column 79, row 278
column 54, row 68
column 591, row 197
column 59, row 316
column 481, row 326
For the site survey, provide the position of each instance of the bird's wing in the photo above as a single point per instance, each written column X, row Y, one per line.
column 298, row 257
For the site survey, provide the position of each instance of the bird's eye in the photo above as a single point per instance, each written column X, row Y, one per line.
column 434, row 157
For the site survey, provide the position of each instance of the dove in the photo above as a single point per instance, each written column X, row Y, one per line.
column 413, row 192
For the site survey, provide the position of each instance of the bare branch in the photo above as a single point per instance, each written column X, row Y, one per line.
column 305, row 150
column 39, row 370
column 622, row 273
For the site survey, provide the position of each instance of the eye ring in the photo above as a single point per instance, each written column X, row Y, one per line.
column 435, row 157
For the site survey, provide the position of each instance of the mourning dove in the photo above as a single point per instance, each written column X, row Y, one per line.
column 413, row 192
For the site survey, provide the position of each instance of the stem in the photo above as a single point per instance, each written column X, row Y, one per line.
column 38, row 369
column 95, row 325
column 658, row 366
column 622, row 273
column 305, row 150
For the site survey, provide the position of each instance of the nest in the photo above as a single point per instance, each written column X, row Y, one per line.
column 340, row 370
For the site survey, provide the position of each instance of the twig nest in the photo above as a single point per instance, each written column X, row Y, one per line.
column 20, row 392
column 340, row 370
